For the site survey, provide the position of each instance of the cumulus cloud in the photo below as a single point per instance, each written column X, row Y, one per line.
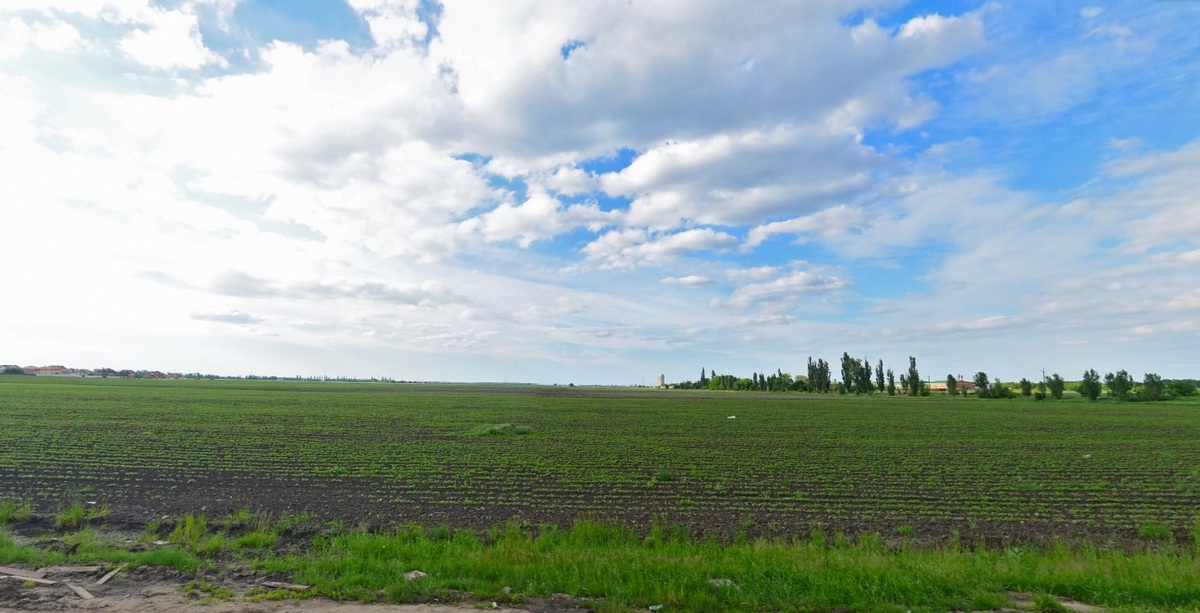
column 540, row 217
column 452, row 184
column 642, row 73
column 735, row 179
column 171, row 39
column 632, row 248
column 392, row 22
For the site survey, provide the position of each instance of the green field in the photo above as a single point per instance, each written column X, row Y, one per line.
column 928, row 469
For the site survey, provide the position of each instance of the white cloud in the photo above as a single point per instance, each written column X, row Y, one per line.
column 172, row 40
column 16, row 35
column 633, row 248
column 829, row 224
column 570, row 181
column 643, row 75
column 540, row 217
column 229, row 317
column 392, row 22
column 734, row 179
column 689, row 280
column 364, row 204
column 785, row 289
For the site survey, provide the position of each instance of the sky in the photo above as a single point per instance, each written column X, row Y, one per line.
column 600, row 192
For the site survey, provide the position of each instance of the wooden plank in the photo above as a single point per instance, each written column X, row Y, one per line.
column 50, row 570
column 33, row 579
column 286, row 586
column 112, row 573
column 20, row 572
column 84, row 594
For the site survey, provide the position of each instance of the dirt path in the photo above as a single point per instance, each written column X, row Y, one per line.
column 169, row 599
column 150, row 590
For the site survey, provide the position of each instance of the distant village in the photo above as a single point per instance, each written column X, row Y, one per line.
column 58, row 370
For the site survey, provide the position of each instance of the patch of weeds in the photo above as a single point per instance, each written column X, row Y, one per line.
column 28, row 584
column 259, row 539
column 71, row 517
column 241, row 517
column 1155, row 530
column 500, row 430
column 906, row 530
column 189, row 532
column 15, row 511
column 211, row 545
column 207, row 592
column 1044, row 603
column 151, row 532
column 290, row 524
column 260, row 594
column 79, row 514
column 664, row 475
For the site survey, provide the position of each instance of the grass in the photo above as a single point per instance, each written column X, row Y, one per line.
column 79, row 514
column 614, row 568
column 1157, row 531
column 93, row 549
column 624, row 571
column 501, row 430
column 11, row 511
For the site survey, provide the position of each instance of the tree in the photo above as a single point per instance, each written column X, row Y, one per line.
column 1152, row 387
column 982, row 383
column 1026, row 387
column 1056, row 385
column 879, row 377
column 914, row 377
column 1119, row 385
column 703, row 378
column 1090, row 387
column 951, row 385
column 863, row 382
column 13, row 370
column 850, row 367
column 999, row 390
column 1180, row 388
column 904, row 384
column 891, row 382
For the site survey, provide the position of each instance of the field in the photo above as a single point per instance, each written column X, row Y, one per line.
column 724, row 464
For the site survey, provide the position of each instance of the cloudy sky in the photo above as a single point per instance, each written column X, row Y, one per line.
column 599, row 192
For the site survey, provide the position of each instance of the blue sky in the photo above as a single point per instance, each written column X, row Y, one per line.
column 599, row 193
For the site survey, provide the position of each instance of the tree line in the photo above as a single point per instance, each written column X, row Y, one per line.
column 856, row 377
column 863, row 377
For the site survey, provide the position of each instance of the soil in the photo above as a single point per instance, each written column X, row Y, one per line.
column 154, row 589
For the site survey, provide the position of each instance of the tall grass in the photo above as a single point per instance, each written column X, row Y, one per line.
column 623, row 571
column 13, row 511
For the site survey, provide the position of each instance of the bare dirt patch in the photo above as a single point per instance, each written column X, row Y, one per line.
column 152, row 589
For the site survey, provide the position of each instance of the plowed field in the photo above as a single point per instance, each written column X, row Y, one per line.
column 995, row 471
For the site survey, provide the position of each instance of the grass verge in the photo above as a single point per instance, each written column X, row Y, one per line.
column 625, row 572
column 615, row 569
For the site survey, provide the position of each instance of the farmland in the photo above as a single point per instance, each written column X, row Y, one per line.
column 378, row 455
